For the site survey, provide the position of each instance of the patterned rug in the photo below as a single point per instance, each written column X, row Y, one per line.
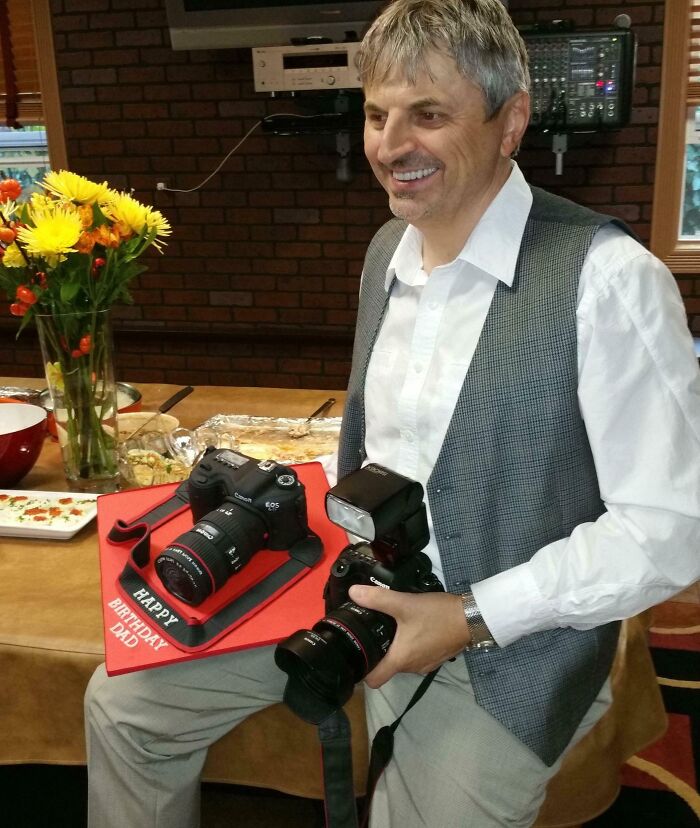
column 660, row 784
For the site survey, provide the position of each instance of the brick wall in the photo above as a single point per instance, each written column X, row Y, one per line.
column 258, row 283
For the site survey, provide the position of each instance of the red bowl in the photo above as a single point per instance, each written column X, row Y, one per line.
column 22, row 429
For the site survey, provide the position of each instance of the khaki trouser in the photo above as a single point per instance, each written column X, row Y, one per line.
column 454, row 766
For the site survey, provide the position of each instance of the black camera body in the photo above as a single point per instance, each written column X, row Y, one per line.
column 358, row 564
column 262, row 486
column 325, row 662
column 239, row 505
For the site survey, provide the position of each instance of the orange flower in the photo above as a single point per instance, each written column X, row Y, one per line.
column 123, row 229
column 85, row 243
column 10, row 190
column 106, row 236
column 85, row 213
column 7, row 235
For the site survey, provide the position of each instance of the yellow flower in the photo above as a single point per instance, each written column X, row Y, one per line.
column 74, row 187
column 8, row 209
column 54, row 234
column 41, row 203
column 54, row 375
column 157, row 221
column 126, row 211
column 13, row 257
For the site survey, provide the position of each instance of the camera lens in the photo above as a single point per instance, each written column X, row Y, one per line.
column 201, row 560
column 325, row 662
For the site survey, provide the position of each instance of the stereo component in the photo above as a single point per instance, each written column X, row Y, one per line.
column 297, row 68
column 580, row 81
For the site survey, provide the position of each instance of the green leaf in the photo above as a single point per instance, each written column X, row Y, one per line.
column 69, row 291
column 98, row 217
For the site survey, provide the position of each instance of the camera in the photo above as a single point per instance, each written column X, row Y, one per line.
column 239, row 505
column 324, row 663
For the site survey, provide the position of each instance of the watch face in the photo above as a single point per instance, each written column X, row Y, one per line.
column 487, row 644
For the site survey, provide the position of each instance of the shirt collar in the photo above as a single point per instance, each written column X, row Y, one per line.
column 493, row 245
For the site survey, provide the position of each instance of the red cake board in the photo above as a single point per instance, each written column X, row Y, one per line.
column 132, row 643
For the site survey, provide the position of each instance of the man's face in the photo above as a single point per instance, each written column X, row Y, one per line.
column 432, row 149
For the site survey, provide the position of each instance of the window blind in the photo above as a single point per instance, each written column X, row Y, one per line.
column 693, row 93
column 20, row 92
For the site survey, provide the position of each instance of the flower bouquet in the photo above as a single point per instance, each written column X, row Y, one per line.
column 66, row 256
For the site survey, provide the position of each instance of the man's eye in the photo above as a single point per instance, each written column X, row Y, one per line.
column 430, row 116
column 375, row 118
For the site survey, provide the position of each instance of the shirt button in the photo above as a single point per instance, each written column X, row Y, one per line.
column 418, row 367
column 408, row 436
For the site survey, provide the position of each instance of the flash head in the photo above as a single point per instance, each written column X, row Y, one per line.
column 376, row 503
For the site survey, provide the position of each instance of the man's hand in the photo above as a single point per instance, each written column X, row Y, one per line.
column 430, row 629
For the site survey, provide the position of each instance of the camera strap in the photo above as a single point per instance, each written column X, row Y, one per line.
column 338, row 787
column 383, row 746
column 338, row 781
column 187, row 633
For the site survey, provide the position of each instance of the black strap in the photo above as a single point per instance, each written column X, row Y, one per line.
column 338, row 785
column 383, row 747
column 339, row 789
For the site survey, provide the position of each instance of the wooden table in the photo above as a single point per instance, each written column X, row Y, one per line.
column 51, row 636
column 204, row 402
column 51, row 641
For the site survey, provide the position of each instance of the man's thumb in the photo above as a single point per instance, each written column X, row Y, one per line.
column 371, row 597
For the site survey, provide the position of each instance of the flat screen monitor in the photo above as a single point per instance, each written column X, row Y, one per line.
column 230, row 24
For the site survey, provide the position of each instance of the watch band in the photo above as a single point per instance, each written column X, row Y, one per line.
column 481, row 635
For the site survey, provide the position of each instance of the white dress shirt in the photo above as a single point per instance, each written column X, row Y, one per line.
column 639, row 392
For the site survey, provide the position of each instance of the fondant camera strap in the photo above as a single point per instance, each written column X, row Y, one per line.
column 188, row 633
column 339, row 791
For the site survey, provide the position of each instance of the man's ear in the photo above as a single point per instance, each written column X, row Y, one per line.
column 515, row 116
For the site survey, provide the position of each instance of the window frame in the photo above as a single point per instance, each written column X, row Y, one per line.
column 50, row 105
column 48, row 81
column 681, row 256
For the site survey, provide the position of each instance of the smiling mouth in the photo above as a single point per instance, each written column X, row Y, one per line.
column 413, row 175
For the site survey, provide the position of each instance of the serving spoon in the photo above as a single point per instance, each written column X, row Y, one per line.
column 302, row 429
column 166, row 406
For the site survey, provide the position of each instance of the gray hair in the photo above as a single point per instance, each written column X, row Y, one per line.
column 478, row 35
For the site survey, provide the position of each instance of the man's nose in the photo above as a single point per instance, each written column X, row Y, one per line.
column 397, row 140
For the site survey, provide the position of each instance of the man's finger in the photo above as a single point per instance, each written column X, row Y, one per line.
column 376, row 598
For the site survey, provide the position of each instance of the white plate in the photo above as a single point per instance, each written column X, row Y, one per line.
column 14, row 523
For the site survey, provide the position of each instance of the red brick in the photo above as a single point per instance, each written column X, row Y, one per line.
column 275, row 223
column 300, row 250
column 208, row 314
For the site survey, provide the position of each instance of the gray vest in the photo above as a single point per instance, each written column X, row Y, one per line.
column 515, row 471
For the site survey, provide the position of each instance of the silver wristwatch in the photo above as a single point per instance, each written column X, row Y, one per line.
column 481, row 635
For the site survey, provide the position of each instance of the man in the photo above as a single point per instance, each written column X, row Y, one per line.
column 527, row 361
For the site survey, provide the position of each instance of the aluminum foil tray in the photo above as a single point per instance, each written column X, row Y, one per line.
column 269, row 437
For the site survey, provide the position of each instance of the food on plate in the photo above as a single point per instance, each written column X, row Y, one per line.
column 283, row 451
column 146, row 467
column 26, row 510
column 269, row 438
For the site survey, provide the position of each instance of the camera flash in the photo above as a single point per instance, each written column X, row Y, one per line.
column 349, row 517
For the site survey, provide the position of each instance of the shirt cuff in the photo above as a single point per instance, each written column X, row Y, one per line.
column 511, row 605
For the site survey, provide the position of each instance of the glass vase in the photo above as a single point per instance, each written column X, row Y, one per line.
column 78, row 358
